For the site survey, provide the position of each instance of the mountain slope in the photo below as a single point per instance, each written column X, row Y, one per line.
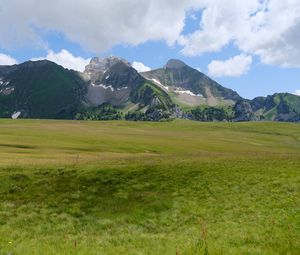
column 189, row 86
column 39, row 89
column 151, row 95
column 43, row 89
column 110, row 80
column 278, row 107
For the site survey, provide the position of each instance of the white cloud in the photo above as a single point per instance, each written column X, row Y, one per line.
column 274, row 34
column 7, row 60
column 95, row 24
column 269, row 29
column 220, row 23
column 66, row 59
column 140, row 67
column 297, row 92
column 233, row 67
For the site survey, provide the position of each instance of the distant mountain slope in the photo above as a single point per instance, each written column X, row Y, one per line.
column 189, row 86
column 39, row 89
column 278, row 107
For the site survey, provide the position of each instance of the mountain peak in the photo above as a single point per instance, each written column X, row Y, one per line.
column 108, row 61
column 102, row 64
column 174, row 64
column 36, row 63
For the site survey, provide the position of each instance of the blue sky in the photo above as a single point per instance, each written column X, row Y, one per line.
column 243, row 46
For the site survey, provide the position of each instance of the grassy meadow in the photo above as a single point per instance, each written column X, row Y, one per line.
column 180, row 188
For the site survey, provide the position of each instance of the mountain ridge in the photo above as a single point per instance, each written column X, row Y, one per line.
column 43, row 89
column 198, row 88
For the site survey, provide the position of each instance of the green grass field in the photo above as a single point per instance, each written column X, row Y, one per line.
column 181, row 187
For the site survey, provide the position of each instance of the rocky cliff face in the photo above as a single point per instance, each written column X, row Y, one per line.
column 97, row 67
column 110, row 80
column 243, row 111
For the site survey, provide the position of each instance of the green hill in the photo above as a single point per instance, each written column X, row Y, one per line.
column 40, row 89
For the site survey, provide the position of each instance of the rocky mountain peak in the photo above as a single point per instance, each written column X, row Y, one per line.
column 102, row 64
column 97, row 67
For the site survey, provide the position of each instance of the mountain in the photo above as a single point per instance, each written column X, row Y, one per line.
column 43, row 89
column 110, row 80
column 243, row 111
column 189, row 87
column 277, row 107
column 39, row 89
column 113, row 80
column 110, row 88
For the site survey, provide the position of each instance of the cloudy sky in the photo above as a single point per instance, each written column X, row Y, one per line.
column 251, row 46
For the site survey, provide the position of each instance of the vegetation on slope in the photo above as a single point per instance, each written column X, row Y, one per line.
column 207, row 113
column 154, row 103
column 42, row 89
column 102, row 112
column 278, row 107
column 150, row 94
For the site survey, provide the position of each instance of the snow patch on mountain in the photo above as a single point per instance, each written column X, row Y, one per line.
column 180, row 91
column 15, row 115
column 3, row 82
column 7, row 90
column 157, row 82
column 104, row 86
column 108, row 87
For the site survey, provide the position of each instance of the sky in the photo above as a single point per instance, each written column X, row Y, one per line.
column 250, row 46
